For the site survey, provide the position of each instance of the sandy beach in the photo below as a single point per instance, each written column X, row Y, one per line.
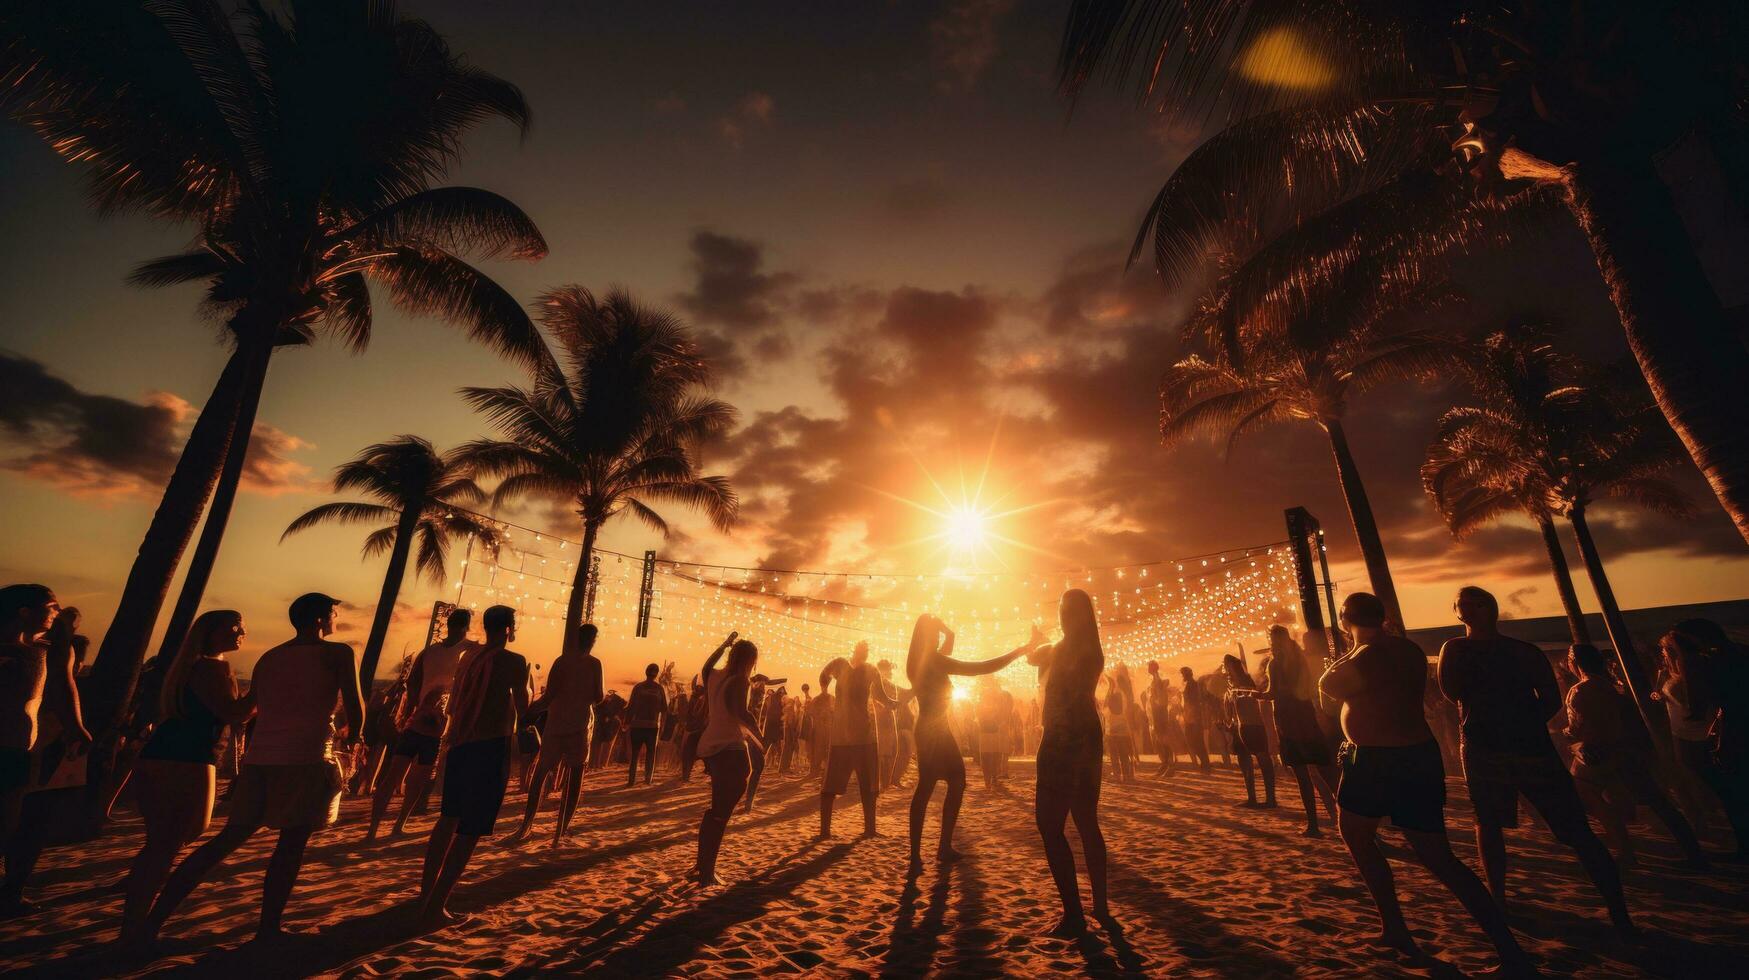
column 1201, row 887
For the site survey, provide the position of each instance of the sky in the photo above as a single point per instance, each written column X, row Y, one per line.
column 904, row 254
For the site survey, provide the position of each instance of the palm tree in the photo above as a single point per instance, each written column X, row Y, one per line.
column 418, row 492
column 305, row 149
column 1310, row 318
column 1474, row 483
column 614, row 430
column 1578, row 96
column 1547, row 430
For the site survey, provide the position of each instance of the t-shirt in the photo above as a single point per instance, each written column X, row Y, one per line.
column 644, row 710
column 572, row 689
column 853, row 717
column 1499, row 684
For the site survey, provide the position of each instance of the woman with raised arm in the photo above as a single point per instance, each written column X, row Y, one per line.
column 930, row 666
column 730, row 732
column 1289, row 688
column 1071, row 754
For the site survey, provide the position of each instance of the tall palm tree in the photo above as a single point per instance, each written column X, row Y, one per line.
column 1474, row 483
column 304, row 147
column 417, row 492
column 614, row 429
column 1547, row 429
column 1308, row 319
column 1579, row 96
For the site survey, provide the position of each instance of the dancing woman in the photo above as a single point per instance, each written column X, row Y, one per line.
column 730, row 733
column 1248, row 737
column 1070, row 757
column 1289, row 689
column 929, row 666
column 174, row 778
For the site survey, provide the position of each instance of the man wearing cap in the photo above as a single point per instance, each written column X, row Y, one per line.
column 289, row 779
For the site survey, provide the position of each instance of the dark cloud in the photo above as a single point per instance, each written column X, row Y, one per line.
column 963, row 41
column 100, row 445
column 730, row 285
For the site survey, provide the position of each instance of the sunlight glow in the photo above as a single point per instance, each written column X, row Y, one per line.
column 968, row 528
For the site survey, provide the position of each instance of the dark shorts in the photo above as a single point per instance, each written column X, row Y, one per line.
column 1496, row 780
column 1403, row 782
column 421, row 747
column 846, row 759
column 474, row 778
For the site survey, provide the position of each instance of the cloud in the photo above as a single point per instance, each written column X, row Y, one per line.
column 754, row 112
column 100, row 446
column 730, row 286
column 963, row 41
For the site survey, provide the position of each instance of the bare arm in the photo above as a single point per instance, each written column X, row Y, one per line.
column 351, row 695
column 62, row 694
column 519, row 693
column 1342, row 681
column 415, row 684
column 216, row 688
column 710, row 662
column 1548, row 689
column 969, row 668
column 1448, row 674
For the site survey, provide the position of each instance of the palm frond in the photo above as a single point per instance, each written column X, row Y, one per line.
column 434, row 283
column 379, row 542
column 432, row 557
column 339, row 512
column 453, row 219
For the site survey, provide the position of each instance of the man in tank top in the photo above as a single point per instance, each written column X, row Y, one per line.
column 421, row 721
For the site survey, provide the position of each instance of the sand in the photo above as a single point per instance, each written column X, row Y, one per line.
column 1200, row 887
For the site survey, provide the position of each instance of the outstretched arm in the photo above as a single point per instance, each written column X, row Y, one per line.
column 976, row 668
column 351, row 695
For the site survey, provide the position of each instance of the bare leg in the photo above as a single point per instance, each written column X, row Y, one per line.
column 455, row 861
column 282, row 875
column 1491, row 843
column 1308, row 799
column 568, row 802
column 531, row 808
column 1050, row 813
column 919, row 808
column 1324, row 777
column 950, row 815
column 194, row 869
column 442, row 835
column 393, row 775
column 1360, row 834
column 1434, row 852
column 1085, row 810
column 419, row 779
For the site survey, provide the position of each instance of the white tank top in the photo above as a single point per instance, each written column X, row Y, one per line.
column 722, row 730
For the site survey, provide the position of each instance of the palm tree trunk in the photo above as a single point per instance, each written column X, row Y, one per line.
column 1631, row 670
column 1564, row 582
column 579, row 585
column 1366, row 528
column 397, row 572
column 1697, row 369
column 116, row 669
column 212, row 534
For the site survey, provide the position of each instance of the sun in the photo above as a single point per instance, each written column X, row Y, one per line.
column 966, row 529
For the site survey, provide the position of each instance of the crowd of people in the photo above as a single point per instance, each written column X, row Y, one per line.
column 464, row 719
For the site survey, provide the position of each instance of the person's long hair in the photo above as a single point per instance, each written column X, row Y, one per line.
column 1237, row 675
column 1290, row 664
column 203, row 638
column 922, row 645
column 742, row 656
column 1081, row 630
column 1687, row 654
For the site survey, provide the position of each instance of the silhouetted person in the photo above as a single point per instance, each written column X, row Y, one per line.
column 729, row 732
column 175, row 778
column 289, row 780
column 422, row 720
column 489, row 699
column 1117, row 735
column 27, row 613
column 1070, row 759
column 573, row 690
column 1289, row 689
column 929, row 667
column 1710, row 694
column 1506, row 693
column 853, row 736
column 643, row 720
column 1160, row 716
column 758, row 691
column 1245, row 723
column 1391, row 767
column 1613, row 759
column 1194, row 715
column 697, row 709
